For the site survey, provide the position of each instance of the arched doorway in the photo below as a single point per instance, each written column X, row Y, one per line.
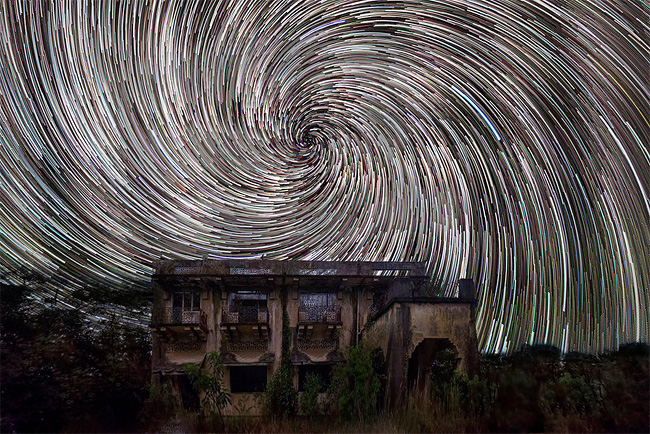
column 419, row 365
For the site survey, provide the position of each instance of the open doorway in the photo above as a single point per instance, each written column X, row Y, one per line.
column 189, row 396
column 419, row 366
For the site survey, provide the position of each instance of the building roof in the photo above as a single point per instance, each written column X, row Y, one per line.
column 247, row 273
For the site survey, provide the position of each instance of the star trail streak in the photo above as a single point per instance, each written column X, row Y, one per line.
column 499, row 140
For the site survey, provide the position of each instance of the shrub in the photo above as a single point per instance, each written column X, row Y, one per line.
column 309, row 399
column 442, row 372
column 281, row 398
column 355, row 386
column 210, row 382
column 159, row 406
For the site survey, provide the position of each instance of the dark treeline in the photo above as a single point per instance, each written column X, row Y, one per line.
column 538, row 389
column 72, row 369
column 85, row 369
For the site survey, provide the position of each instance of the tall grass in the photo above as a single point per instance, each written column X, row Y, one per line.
column 423, row 411
column 534, row 390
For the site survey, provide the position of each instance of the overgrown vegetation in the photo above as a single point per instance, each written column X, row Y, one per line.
column 158, row 406
column 442, row 371
column 63, row 373
column 281, row 398
column 355, row 387
column 209, row 382
column 536, row 390
column 309, row 405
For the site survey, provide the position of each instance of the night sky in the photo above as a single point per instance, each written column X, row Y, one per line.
column 505, row 141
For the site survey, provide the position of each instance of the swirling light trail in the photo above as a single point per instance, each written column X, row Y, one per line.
column 499, row 140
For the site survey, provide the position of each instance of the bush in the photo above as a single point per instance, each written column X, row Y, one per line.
column 442, row 371
column 309, row 399
column 462, row 395
column 281, row 398
column 355, row 386
column 210, row 382
column 517, row 403
column 159, row 406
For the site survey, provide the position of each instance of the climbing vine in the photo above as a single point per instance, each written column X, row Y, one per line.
column 281, row 397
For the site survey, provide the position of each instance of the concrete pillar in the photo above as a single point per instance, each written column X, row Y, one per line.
column 397, row 354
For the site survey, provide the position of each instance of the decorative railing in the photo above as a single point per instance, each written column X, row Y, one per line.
column 324, row 344
column 252, row 345
column 319, row 314
column 180, row 347
column 172, row 316
column 245, row 315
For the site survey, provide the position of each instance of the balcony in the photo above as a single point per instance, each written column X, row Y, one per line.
column 242, row 325
column 177, row 320
column 245, row 315
column 319, row 314
column 318, row 323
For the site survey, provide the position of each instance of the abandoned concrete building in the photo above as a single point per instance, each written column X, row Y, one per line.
column 235, row 307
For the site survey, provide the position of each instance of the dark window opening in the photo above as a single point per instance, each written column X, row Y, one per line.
column 248, row 379
column 189, row 396
column 187, row 300
column 323, row 371
column 196, row 300
column 378, row 301
column 247, row 307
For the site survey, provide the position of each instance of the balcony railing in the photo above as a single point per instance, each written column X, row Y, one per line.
column 178, row 316
column 245, row 315
column 319, row 314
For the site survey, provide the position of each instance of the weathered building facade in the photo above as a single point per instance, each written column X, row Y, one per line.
column 236, row 307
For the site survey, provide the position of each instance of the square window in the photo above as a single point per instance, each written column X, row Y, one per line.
column 323, row 371
column 248, row 379
column 186, row 301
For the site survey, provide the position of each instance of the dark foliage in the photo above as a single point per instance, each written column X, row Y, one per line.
column 62, row 372
column 536, row 389
column 281, row 398
column 355, row 387
column 442, row 371
column 309, row 399
column 210, row 383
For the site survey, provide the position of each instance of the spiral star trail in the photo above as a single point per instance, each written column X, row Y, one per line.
column 499, row 140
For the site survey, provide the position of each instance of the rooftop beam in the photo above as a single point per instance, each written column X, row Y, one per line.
column 262, row 267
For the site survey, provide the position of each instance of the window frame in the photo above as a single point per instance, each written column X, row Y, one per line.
column 325, row 375
column 236, row 387
column 328, row 296
column 188, row 300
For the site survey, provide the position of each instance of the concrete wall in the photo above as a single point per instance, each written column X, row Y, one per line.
column 215, row 299
column 397, row 330
column 167, row 342
column 404, row 325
